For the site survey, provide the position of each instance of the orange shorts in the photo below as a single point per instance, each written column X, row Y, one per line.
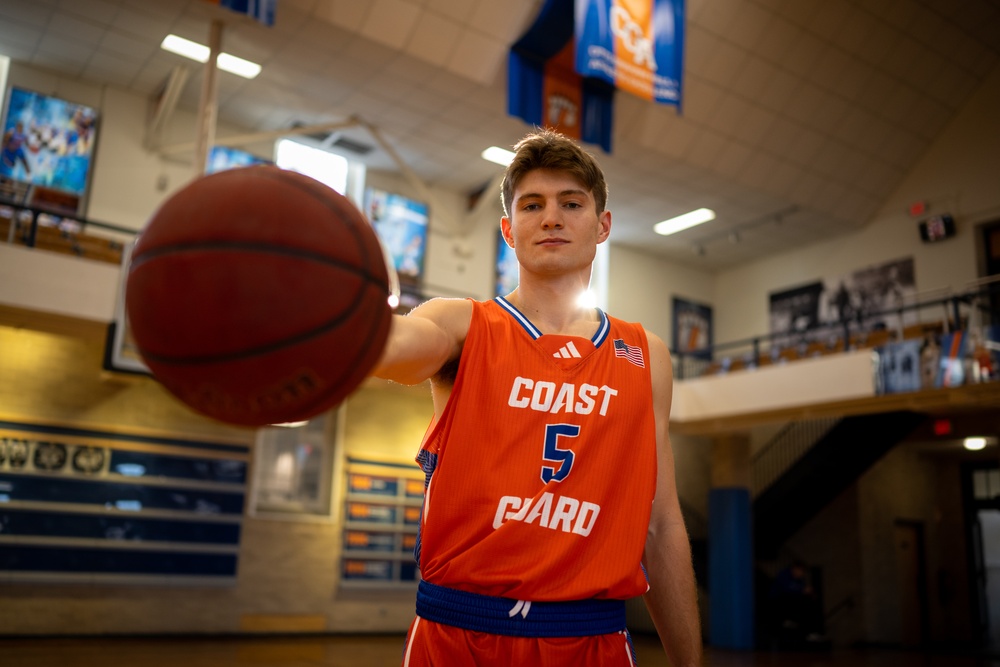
column 430, row 644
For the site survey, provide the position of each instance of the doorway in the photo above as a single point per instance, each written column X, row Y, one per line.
column 911, row 572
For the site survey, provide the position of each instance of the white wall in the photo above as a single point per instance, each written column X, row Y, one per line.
column 960, row 175
column 641, row 288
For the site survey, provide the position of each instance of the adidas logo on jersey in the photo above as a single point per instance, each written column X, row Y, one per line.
column 568, row 351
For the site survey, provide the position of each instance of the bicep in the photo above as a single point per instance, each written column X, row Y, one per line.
column 666, row 506
column 421, row 342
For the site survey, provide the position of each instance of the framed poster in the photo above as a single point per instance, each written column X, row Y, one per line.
column 795, row 310
column 120, row 351
column 692, row 328
column 401, row 224
column 221, row 158
column 48, row 143
column 293, row 469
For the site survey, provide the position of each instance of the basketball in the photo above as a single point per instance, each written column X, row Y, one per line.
column 258, row 296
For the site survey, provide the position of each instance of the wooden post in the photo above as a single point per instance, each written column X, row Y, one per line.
column 208, row 107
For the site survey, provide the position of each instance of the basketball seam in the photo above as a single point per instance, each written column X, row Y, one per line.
column 261, row 349
column 242, row 246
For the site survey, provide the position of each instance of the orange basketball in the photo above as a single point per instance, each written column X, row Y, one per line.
column 258, row 296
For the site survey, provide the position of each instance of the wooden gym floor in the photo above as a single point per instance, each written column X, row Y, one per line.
column 386, row 651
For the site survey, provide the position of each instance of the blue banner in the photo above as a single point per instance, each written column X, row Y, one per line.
column 634, row 45
column 543, row 88
column 261, row 10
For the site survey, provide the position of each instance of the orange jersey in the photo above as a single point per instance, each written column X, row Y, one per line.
column 542, row 466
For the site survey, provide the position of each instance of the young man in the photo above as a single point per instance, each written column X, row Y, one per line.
column 550, row 493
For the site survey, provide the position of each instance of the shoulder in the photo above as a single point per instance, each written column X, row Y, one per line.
column 451, row 314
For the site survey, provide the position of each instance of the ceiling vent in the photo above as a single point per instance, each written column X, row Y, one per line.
column 351, row 145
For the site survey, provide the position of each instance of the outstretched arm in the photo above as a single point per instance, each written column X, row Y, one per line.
column 672, row 599
column 421, row 342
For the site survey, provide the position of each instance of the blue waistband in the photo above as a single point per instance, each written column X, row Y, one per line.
column 518, row 618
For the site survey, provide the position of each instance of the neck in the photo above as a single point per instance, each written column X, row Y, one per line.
column 554, row 309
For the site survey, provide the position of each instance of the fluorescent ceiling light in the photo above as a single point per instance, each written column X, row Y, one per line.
column 499, row 155
column 682, row 222
column 975, row 444
column 200, row 52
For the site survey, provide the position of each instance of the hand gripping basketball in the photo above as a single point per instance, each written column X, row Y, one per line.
column 258, row 296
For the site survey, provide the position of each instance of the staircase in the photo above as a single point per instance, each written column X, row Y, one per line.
column 816, row 474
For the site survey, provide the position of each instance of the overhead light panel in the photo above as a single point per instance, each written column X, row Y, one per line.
column 682, row 222
column 974, row 444
column 200, row 53
column 498, row 155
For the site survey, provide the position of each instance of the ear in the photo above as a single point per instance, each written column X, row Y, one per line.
column 603, row 226
column 505, row 230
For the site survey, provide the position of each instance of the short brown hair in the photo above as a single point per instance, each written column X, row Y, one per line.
column 548, row 149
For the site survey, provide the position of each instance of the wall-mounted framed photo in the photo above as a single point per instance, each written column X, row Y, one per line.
column 692, row 328
column 48, row 144
column 293, row 468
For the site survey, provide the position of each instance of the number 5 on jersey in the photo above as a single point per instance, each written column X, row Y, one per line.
column 560, row 461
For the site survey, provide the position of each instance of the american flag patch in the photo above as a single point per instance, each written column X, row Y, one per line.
column 631, row 352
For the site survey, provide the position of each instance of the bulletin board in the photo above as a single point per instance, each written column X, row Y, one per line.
column 382, row 508
column 87, row 506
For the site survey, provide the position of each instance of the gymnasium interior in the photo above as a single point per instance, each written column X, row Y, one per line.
column 834, row 330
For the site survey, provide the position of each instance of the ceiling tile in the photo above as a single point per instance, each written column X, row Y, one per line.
column 390, row 22
column 434, row 38
column 755, row 124
column 729, row 115
column 724, row 64
column 801, row 144
column 108, row 67
column 804, row 53
column 97, row 11
column 778, row 90
column 699, row 47
column 881, row 41
column 748, row 25
column 754, row 78
column 677, row 139
column 781, row 178
column 20, row 37
column 716, row 16
column 700, row 99
column 732, row 159
column 459, row 10
column 827, row 18
column 503, row 20
column 706, row 149
column 477, row 57
column 129, row 45
column 756, row 171
column 148, row 26
column 25, row 13
column 857, row 27
column 776, row 40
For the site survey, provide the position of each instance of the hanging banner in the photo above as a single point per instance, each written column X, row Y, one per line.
column 562, row 94
column 635, row 45
column 544, row 90
column 260, row 10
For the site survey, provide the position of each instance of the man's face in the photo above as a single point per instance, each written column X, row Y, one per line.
column 554, row 225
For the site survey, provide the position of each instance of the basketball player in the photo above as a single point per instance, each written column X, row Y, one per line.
column 550, row 495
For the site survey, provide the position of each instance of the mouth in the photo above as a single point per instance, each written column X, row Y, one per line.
column 552, row 242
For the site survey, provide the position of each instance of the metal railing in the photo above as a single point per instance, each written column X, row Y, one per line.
column 931, row 313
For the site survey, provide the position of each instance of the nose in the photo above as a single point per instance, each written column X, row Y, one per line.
column 551, row 219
